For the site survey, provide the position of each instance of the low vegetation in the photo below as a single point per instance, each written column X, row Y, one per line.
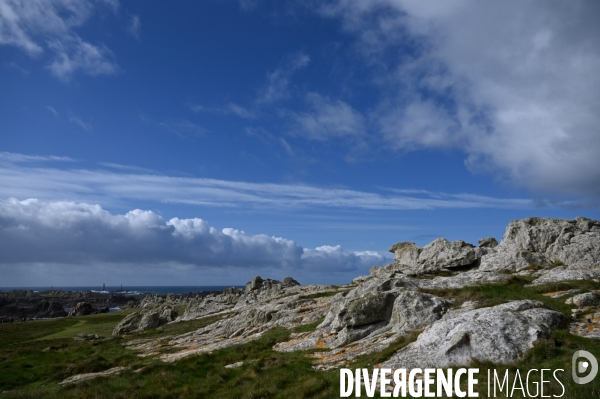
column 516, row 288
column 36, row 356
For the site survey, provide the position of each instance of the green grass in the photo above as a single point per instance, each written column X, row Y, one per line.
column 36, row 356
column 101, row 324
column 266, row 373
column 513, row 289
column 371, row 359
column 308, row 327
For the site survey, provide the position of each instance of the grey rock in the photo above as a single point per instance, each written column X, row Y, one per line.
column 500, row 334
column 546, row 242
column 289, row 282
column 561, row 294
column 587, row 299
column 255, row 312
column 145, row 319
column 369, row 317
column 82, row 309
column 85, row 337
column 434, row 257
column 562, row 273
column 369, row 308
column 489, row 242
column 415, row 310
column 49, row 309
column 587, row 325
column 470, row 278
column 512, row 260
column 255, row 284
column 200, row 307
column 258, row 284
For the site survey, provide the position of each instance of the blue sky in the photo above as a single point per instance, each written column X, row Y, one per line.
column 204, row 142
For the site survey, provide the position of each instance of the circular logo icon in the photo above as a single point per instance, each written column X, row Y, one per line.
column 590, row 364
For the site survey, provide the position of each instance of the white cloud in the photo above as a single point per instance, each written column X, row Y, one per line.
column 318, row 258
column 278, row 81
column 79, row 122
column 76, row 54
column 33, row 231
column 230, row 108
column 183, row 128
column 327, row 119
column 20, row 180
column 39, row 25
column 135, row 26
column 10, row 158
column 51, row 109
column 239, row 111
column 513, row 84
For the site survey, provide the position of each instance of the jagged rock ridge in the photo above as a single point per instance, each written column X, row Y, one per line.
column 377, row 309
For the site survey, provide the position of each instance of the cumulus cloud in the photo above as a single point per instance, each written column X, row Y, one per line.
column 37, row 26
column 33, row 231
column 513, row 84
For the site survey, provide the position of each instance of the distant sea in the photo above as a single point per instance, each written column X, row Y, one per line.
column 131, row 290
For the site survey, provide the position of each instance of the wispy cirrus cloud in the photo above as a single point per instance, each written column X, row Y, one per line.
column 326, row 119
column 182, row 128
column 74, row 119
column 10, row 159
column 135, row 26
column 278, row 82
column 229, row 109
column 20, row 180
column 51, row 109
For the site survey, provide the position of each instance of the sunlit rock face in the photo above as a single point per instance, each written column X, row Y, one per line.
column 546, row 242
column 438, row 255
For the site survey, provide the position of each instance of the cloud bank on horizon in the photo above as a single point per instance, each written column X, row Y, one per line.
column 34, row 231
column 282, row 114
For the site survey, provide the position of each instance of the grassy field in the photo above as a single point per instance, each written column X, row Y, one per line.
column 36, row 356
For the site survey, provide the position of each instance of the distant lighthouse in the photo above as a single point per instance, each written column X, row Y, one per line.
column 103, row 287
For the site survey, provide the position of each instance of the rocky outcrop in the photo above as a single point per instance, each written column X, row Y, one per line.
column 84, row 309
column 286, row 307
column 545, row 243
column 49, row 309
column 256, row 290
column 587, row 299
column 489, row 242
column 389, row 303
column 90, row 376
column 500, row 334
column 562, row 273
column 439, row 255
column 369, row 317
column 258, row 283
column 212, row 304
column 147, row 318
column 21, row 304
